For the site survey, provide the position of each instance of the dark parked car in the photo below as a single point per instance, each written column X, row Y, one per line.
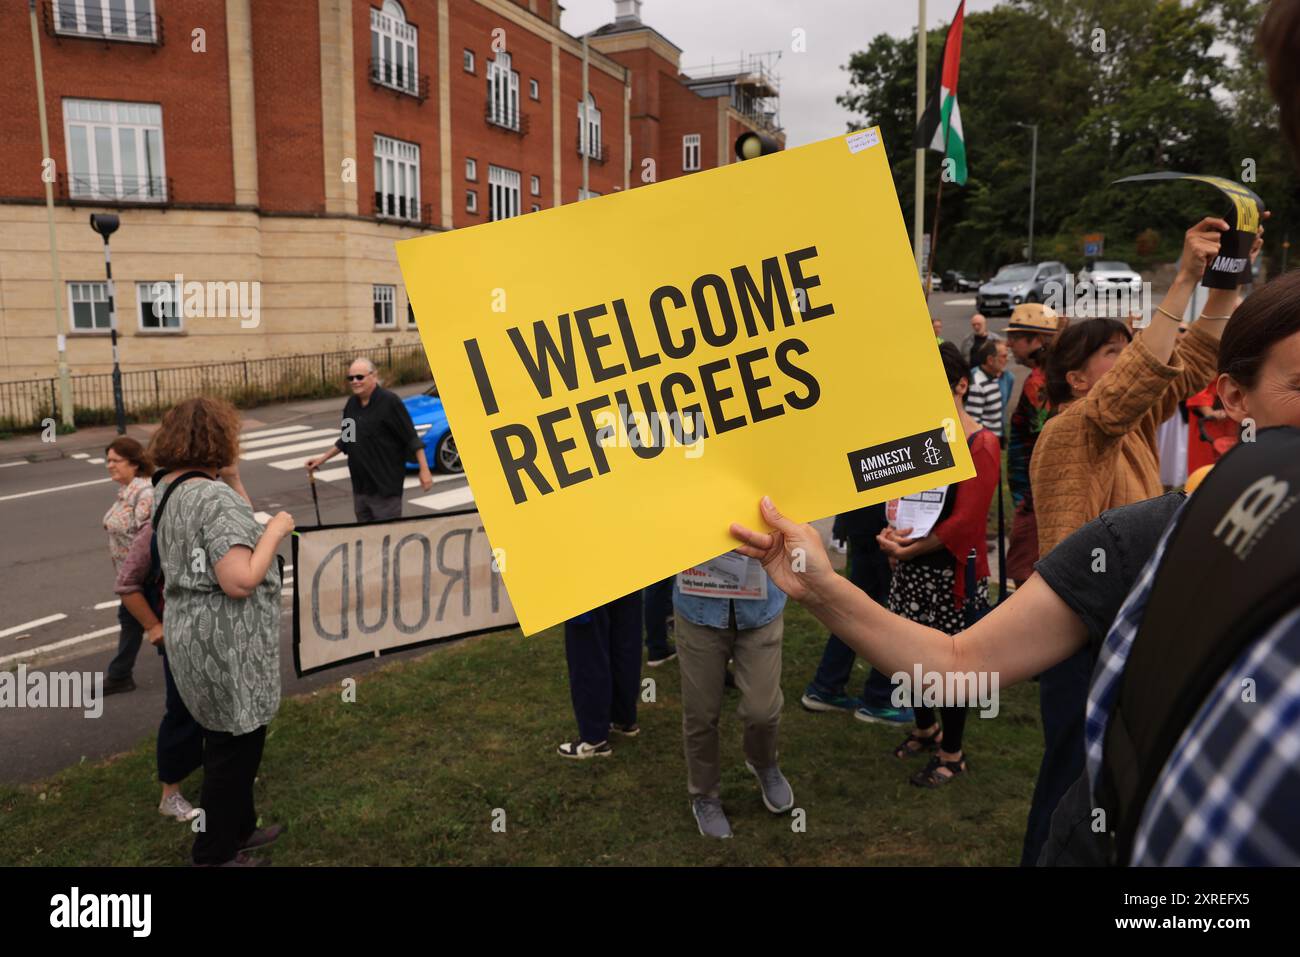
column 954, row 280
column 1017, row 283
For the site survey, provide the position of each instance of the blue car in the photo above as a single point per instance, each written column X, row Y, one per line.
column 431, row 422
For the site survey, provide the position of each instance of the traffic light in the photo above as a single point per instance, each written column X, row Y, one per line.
column 751, row 145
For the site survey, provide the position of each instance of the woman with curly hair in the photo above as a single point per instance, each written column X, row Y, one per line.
column 221, row 615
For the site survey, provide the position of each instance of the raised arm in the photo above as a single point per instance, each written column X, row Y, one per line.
column 1028, row 633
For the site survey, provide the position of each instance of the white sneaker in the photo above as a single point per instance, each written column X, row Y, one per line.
column 175, row 805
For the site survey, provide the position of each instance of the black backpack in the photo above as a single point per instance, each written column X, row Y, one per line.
column 153, row 580
column 1230, row 571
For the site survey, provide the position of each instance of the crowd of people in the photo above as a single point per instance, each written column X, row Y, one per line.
column 1138, row 608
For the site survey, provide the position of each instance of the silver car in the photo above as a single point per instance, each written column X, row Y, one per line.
column 1017, row 283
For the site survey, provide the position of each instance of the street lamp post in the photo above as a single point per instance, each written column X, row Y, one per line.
column 106, row 224
column 1033, row 181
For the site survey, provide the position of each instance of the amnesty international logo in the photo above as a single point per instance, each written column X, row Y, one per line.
column 902, row 459
column 931, row 455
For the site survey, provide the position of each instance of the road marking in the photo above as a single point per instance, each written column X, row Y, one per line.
column 281, row 439
column 94, row 461
column 54, row 646
column 322, row 443
column 32, row 624
column 80, row 455
column 960, row 302
column 108, row 604
column 9, row 465
column 57, row 488
column 282, row 430
column 444, row 500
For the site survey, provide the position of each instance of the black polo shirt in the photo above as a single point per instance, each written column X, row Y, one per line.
column 383, row 440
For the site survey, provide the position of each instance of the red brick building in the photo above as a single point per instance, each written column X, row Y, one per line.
column 277, row 150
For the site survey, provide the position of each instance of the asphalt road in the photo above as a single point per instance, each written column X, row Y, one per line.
column 59, row 611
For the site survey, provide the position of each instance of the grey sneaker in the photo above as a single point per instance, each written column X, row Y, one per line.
column 778, row 796
column 710, row 817
column 175, row 805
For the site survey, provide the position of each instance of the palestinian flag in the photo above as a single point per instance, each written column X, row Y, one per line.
column 940, row 126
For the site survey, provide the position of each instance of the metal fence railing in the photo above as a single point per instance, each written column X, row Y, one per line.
column 148, row 393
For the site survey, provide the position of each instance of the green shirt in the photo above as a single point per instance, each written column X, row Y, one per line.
column 224, row 652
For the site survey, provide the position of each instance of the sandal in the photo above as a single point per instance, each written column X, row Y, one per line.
column 922, row 744
column 929, row 776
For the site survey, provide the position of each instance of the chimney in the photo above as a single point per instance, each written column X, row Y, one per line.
column 627, row 12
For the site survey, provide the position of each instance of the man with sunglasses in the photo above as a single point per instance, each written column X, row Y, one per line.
column 378, row 438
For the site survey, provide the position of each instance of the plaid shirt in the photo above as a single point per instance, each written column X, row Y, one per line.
column 1229, row 792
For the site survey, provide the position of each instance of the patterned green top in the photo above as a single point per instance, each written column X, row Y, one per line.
column 224, row 652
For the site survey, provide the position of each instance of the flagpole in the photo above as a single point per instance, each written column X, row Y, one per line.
column 934, row 237
column 918, row 203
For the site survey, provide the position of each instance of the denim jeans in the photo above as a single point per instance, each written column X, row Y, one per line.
column 603, row 649
column 128, row 646
column 868, row 569
column 658, row 602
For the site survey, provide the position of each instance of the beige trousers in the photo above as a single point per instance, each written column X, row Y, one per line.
column 702, row 654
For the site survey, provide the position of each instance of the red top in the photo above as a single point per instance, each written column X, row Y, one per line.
column 966, row 527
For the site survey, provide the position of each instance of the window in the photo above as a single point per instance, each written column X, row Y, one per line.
column 586, row 194
column 503, row 193
column 471, row 201
column 383, row 297
column 115, row 150
column 535, row 185
column 160, row 306
column 691, row 151
column 503, row 92
column 469, row 61
column 89, row 306
column 397, row 179
column 393, row 48
column 534, row 91
column 535, row 208
column 110, row 19
column 589, row 129
column 410, row 313
column 471, row 170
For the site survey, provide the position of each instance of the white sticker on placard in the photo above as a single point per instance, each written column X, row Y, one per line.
column 862, row 140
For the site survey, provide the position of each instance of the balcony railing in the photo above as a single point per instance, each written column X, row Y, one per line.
column 123, row 190
column 86, row 21
column 402, row 210
column 596, row 152
column 399, row 79
column 506, row 119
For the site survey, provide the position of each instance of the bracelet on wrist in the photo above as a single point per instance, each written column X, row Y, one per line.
column 1165, row 312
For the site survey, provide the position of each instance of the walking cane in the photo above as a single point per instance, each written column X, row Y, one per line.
column 311, row 476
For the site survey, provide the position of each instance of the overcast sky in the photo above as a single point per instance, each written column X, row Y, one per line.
column 723, row 30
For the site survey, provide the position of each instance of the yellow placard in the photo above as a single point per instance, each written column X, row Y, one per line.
column 626, row 376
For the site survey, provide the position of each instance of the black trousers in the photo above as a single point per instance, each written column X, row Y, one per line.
column 230, row 763
column 180, row 739
column 603, row 648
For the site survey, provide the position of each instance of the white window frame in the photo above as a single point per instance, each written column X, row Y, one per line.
column 467, row 61
column 471, row 201
column 471, row 169
column 394, row 49
column 126, row 125
column 534, row 90
column 586, row 194
column 535, row 208
column 383, row 298
column 94, row 292
column 690, row 152
column 148, row 293
column 503, row 92
column 589, row 133
column 535, row 185
column 503, row 193
column 397, row 176
column 70, row 19
column 410, row 314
